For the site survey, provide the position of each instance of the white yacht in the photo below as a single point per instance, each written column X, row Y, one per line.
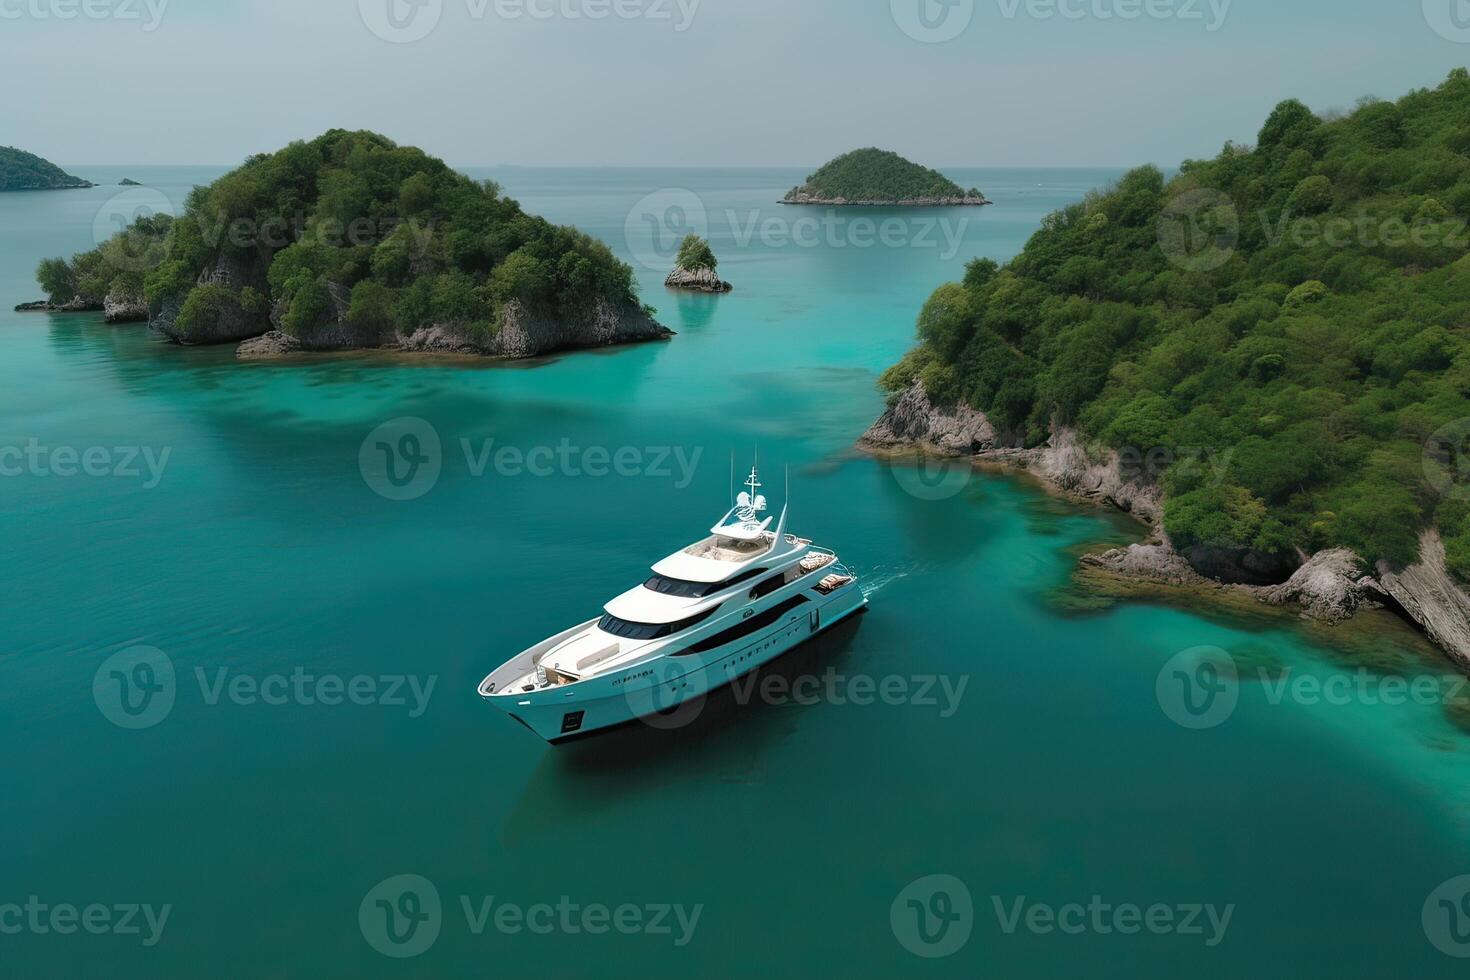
column 710, row 614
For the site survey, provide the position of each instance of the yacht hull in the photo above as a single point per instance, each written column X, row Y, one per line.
column 667, row 693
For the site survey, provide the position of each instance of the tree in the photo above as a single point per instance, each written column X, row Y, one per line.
column 695, row 254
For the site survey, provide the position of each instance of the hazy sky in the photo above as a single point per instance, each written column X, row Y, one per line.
column 700, row 82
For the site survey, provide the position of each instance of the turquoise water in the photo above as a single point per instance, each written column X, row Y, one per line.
column 262, row 550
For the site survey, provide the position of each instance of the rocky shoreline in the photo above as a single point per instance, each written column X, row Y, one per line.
column 115, row 307
column 1329, row 587
column 522, row 334
column 697, row 280
column 801, row 198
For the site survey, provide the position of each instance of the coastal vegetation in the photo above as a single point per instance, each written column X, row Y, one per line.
column 1284, row 330
column 350, row 239
column 873, row 176
column 694, row 268
column 695, row 254
column 22, row 171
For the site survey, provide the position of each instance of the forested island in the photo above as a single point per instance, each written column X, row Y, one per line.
column 1285, row 405
column 694, row 268
column 22, row 171
column 351, row 241
column 875, row 178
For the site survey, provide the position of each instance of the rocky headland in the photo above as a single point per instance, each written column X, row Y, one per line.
column 1329, row 587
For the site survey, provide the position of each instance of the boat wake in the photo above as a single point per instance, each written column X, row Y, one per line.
column 880, row 578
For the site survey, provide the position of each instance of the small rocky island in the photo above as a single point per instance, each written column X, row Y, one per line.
column 128, row 182
column 694, row 268
column 351, row 241
column 22, row 171
column 880, row 178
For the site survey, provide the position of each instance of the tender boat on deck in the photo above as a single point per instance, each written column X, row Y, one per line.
column 710, row 614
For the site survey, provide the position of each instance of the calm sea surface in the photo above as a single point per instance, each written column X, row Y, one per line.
column 1025, row 748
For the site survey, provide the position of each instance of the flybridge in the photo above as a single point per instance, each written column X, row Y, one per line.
column 742, row 522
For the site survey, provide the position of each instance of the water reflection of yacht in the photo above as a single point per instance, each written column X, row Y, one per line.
column 711, row 613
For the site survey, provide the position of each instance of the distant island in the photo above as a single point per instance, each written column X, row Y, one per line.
column 695, row 267
column 1283, row 401
column 22, row 171
column 128, row 182
column 879, row 178
column 352, row 241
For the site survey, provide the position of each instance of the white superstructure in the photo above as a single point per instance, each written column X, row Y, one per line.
column 710, row 613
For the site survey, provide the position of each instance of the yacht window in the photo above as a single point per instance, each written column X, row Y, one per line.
column 664, row 585
column 752, row 625
column 650, row 631
column 768, row 586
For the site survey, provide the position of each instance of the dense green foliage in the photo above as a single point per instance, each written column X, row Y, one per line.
column 410, row 241
column 879, row 175
column 22, row 171
column 695, row 254
column 118, row 265
column 1288, row 326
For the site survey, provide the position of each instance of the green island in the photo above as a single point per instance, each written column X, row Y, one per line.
column 22, row 171
column 1278, row 339
column 694, row 268
column 873, row 177
column 351, row 241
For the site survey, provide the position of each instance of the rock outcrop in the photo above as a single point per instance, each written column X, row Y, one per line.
column 913, row 421
column 1147, row 563
column 124, row 307
column 268, row 346
column 116, row 307
column 229, row 322
column 1330, row 587
column 699, row 280
column 76, row 304
column 1430, row 597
